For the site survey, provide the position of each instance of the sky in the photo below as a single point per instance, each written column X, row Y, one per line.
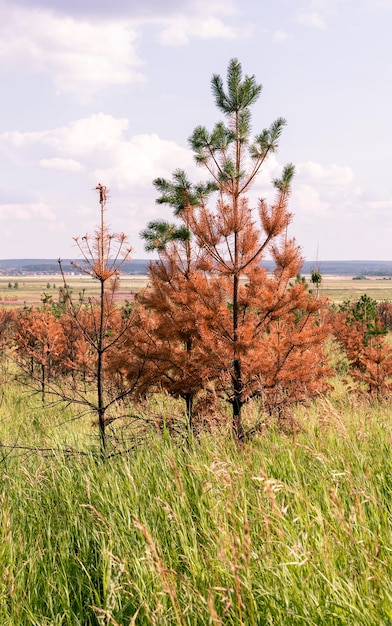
column 99, row 91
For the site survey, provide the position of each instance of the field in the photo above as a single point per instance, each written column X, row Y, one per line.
column 340, row 288
column 30, row 290
column 284, row 530
column 291, row 527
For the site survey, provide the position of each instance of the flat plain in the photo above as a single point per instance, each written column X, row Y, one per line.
column 29, row 290
column 341, row 288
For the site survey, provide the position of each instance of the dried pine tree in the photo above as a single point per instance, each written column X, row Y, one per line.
column 40, row 347
column 97, row 322
column 234, row 311
column 174, row 298
column 360, row 333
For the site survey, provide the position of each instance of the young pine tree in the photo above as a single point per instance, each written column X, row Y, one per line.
column 40, row 347
column 174, row 297
column 359, row 331
column 255, row 333
column 97, row 321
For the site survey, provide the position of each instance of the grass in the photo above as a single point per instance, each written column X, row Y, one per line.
column 340, row 288
column 281, row 531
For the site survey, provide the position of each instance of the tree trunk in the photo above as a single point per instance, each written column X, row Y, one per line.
column 237, row 425
column 238, row 428
column 100, row 349
column 189, row 408
column 43, row 380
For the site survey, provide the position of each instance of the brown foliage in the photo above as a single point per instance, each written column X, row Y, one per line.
column 385, row 314
column 195, row 326
column 219, row 321
column 40, row 345
column 279, row 341
column 370, row 358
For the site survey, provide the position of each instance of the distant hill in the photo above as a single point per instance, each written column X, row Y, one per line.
column 350, row 268
column 19, row 267
column 51, row 266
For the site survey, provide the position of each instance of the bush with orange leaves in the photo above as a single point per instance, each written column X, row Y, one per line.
column 360, row 333
column 40, row 346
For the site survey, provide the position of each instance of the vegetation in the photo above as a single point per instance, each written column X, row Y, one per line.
column 238, row 331
column 241, row 473
column 30, row 293
column 359, row 330
column 97, row 322
column 282, row 531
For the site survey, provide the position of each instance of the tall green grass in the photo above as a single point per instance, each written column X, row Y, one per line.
column 283, row 530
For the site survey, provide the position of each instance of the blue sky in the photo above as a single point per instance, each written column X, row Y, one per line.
column 99, row 91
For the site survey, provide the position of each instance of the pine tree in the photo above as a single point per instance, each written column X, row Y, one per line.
column 254, row 332
column 176, row 283
column 359, row 331
column 97, row 323
column 40, row 345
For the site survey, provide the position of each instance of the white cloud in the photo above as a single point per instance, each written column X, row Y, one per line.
column 330, row 175
column 97, row 132
column 313, row 19
column 279, row 36
column 98, row 144
column 180, row 30
column 315, row 13
column 307, row 202
column 65, row 165
column 201, row 19
column 83, row 57
column 26, row 212
column 327, row 196
column 140, row 160
column 321, row 191
column 381, row 207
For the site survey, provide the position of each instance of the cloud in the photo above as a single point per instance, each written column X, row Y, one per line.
column 140, row 160
column 330, row 175
column 279, row 36
column 180, row 30
column 315, row 13
column 200, row 19
column 99, row 145
column 83, row 57
column 313, row 19
column 97, row 132
column 308, row 203
column 329, row 178
column 26, row 212
column 103, row 8
column 324, row 191
column 328, row 195
column 85, row 51
column 65, row 165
